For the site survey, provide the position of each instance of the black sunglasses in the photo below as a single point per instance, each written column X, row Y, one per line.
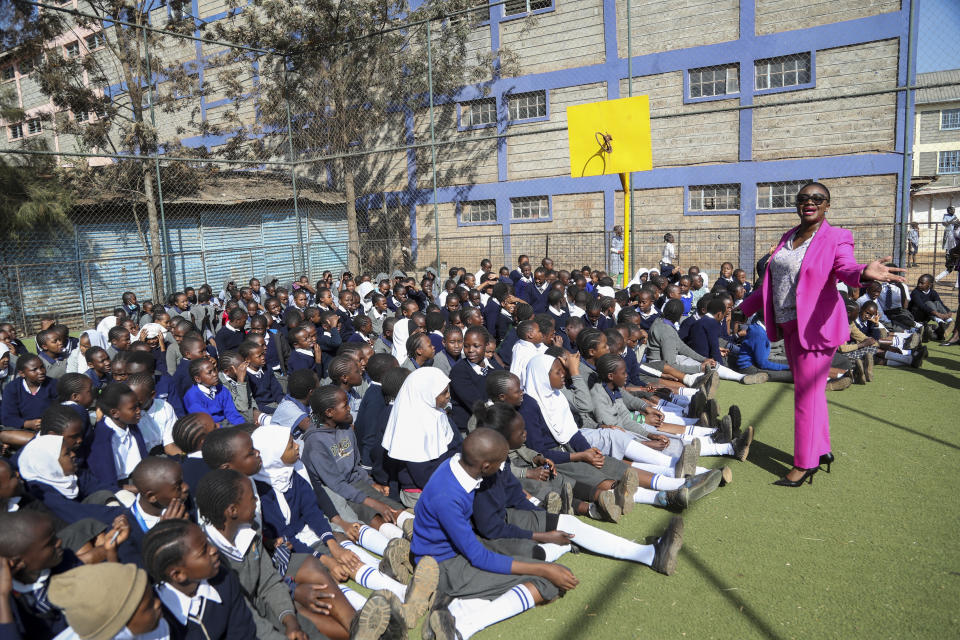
column 815, row 198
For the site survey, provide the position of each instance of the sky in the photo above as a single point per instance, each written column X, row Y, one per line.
column 938, row 35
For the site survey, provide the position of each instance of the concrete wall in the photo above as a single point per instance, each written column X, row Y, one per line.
column 773, row 16
column 569, row 36
column 667, row 25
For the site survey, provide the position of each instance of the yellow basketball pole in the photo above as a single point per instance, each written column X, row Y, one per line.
column 625, row 182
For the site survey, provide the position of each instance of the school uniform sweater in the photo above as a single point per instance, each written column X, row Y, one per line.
column 383, row 345
column 634, row 373
column 220, row 407
column 444, row 512
column 304, row 511
column 664, row 344
column 167, row 390
column 71, row 510
column 228, row 339
column 275, row 353
column 923, row 303
column 299, row 360
column 346, row 324
column 56, row 367
column 505, row 350
column 265, row 389
column 240, row 394
column 540, row 438
column 496, row 494
column 705, row 338
column 229, row 619
column 755, row 350
column 537, row 298
column 330, row 456
column 686, row 325
column 444, row 361
column 101, row 462
column 181, row 378
column 490, row 313
column 369, row 427
column 97, row 380
column 31, row 621
column 609, row 407
column 19, row 405
column 467, row 387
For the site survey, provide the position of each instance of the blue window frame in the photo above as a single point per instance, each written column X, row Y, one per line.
column 948, row 162
column 950, row 119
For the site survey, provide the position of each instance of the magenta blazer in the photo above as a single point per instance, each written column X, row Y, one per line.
column 821, row 313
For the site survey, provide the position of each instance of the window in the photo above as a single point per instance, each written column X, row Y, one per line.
column 715, row 197
column 516, row 7
column 786, row 71
column 479, row 211
column 96, row 40
column 81, row 116
column 528, row 105
column 534, row 208
column 34, row 126
column 8, row 73
column 72, row 49
column 948, row 162
column 16, row 131
column 27, row 66
column 950, row 119
column 778, row 195
column 714, row 81
column 478, row 112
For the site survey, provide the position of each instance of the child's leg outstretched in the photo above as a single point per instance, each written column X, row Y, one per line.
column 318, row 599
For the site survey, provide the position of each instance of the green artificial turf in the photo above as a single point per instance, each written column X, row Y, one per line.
column 869, row 551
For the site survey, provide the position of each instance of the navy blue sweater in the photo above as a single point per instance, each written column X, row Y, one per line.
column 19, row 405
column 304, row 510
column 466, row 388
column 229, row 619
column 705, row 338
column 265, row 389
column 299, row 361
column 539, row 436
column 30, row 624
column 496, row 494
column 228, row 340
column 100, row 461
column 369, row 426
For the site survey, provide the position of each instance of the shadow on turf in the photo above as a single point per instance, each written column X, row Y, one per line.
column 887, row 422
column 726, row 590
column 770, row 459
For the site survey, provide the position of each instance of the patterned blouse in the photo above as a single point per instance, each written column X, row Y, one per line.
column 784, row 273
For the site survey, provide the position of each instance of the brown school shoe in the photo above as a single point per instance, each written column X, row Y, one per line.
column 677, row 499
column 839, row 384
column 724, row 432
column 668, row 547
column 709, row 383
column 396, row 561
column 755, row 378
column 397, row 629
column 687, row 462
column 408, row 526
column 624, row 490
column 552, row 503
column 566, row 499
column 441, row 625
column 698, row 402
column 726, row 475
column 913, row 341
column 713, row 412
column 372, row 621
column 702, row 485
column 868, row 367
column 741, row 445
column 422, row 591
column 607, row 505
column 859, row 375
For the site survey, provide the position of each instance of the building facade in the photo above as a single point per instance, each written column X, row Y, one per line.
column 936, row 149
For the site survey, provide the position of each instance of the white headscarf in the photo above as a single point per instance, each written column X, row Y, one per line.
column 553, row 405
column 271, row 441
column 106, row 324
column 96, row 338
column 417, row 430
column 401, row 331
column 523, row 352
column 362, row 290
column 40, row 462
column 4, row 349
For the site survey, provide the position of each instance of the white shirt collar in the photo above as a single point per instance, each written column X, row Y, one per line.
column 468, row 483
column 27, row 389
column 196, row 454
column 183, row 606
column 254, row 373
column 478, row 368
column 13, row 504
column 116, row 428
column 205, row 390
column 230, row 327
column 305, row 352
column 236, row 549
column 21, row 587
column 148, row 519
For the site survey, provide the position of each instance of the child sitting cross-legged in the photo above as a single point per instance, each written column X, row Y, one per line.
column 264, row 387
column 504, row 515
column 207, row 395
column 117, row 446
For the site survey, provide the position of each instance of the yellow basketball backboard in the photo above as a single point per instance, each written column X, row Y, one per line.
column 609, row 137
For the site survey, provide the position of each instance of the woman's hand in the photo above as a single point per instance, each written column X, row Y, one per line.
column 879, row 271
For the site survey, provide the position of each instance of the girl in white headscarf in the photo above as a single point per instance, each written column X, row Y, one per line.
column 77, row 361
column 418, row 432
column 46, row 460
column 401, row 331
column 6, row 369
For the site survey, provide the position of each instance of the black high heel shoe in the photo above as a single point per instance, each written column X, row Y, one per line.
column 827, row 459
column 806, row 477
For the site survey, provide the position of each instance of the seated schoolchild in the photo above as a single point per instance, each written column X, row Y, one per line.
column 264, row 387
column 207, row 395
column 50, row 350
column 233, row 377
column 119, row 339
column 362, row 330
column 345, row 374
column 704, row 338
column 420, row 352
column 754, row 355
column 451, row 349
column 467, row 376
column 898, row 349
column 521, row 312
column 75, row 390
column 144, row 386
column 186, row 446
column 384, row 344
column 201, row 595
column 293, row 412
column 504, row 515
column 927, row 307
column 529, row 344
column 372, row 417
column 192, row 348
column 276, row 346
column 230, row 336
column 162, row 494
column 117, row 445
column 418, row 437
column 306, row 353
column 98, row 366
column 26, row 397
column 227, row 503
column 487, row 587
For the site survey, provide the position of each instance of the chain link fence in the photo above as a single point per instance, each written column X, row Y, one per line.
column 200, row 143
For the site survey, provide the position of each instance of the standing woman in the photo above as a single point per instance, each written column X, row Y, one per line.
column 801, row 303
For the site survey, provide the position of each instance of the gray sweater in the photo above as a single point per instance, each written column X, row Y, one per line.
column 330, row 456
column 664, row 344
column 606, row 410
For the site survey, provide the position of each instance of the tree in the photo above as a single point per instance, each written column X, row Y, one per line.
column 352, row 74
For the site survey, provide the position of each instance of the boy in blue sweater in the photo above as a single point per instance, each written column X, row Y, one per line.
column 468, row 570
column 208, row 396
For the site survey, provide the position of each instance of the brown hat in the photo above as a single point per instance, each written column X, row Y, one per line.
column 99, row 599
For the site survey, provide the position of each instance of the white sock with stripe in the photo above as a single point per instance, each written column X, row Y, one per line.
column 599, row 541
column 371, row 578
column 661, row 482
column 513, row 602
column 391, row 530
column 553, row 551
column 645, row 496
column 372, row 540
column 355, row 599
column 365, row 557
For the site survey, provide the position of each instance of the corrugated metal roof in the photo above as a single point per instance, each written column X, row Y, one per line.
column 950, row 93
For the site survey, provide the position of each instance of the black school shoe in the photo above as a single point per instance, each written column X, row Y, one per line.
column 667, row 547
column 736, row 419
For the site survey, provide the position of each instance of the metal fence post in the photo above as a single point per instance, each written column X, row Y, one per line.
column 293, row 166
column 906, row 207
column 433, row 147
column 83, row 302
column 163, row 248
column 628, row 268
column 23, row 311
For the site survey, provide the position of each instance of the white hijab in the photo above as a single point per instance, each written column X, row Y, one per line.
column 553, row 405
column 40, row 462
column 417, row 431
column 96, row 338
column 4, row 349
column 362, row 290
column 271, row 441
column 401, row 331
column 523, row 352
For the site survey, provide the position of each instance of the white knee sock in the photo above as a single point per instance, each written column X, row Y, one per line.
column 403, row 517
column 645, row 496
column 371, row 578
column 365, row 557
column 639, row 452
column 700, row 470
column 728, row 374
column 694, row 430
column 710, row 448
column 372, row 540
column 599, row 541
column 664, row 483
column 691, row 379
column 513, row 602
column 355, row 599
column 553, row 551
column 653, row 468
column 391, row 530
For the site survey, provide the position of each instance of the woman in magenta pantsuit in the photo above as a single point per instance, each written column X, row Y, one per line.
column 801, row 304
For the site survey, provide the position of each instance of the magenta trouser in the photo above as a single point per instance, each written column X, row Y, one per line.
column 811, row 368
